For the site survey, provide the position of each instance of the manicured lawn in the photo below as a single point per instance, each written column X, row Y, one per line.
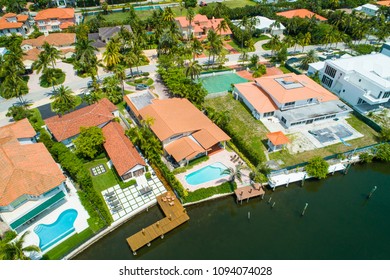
column 65, row 247
column 239, row 3
column 102, row 181
column 370, row 137
column 284, row 69
column 237, row 45
column 241, row 121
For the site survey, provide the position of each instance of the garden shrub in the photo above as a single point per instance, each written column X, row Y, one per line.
column 148, row 176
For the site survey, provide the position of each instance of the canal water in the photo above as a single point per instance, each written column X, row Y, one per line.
column 339, row 223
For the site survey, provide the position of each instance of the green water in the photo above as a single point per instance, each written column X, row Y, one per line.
column 221, row 83
column 340, row 223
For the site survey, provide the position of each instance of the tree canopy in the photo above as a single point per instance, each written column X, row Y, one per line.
column 90, row 142
column 317, row 167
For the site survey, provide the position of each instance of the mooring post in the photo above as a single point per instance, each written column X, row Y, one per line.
column 262, row 197
column 334, row 170
column 303, row 179
column 249, row 215
column 288, row 181
column 304, row 209
column 346, row 169
column 371, row 192
column 269, row 200
column 273, row 204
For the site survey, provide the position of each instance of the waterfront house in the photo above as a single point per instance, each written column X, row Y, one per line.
column 55, row 19
column 368, row 9
column 200, row 26
column 104, row 34
column 32, row 184
column 11, row 23
column 293, row 99
column 301, row 13
column 184, row 131
column 123, row 155
column 67, row 127
column 362, row 81
column 265, row 25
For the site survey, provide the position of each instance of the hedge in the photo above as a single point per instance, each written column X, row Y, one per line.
column 199, row 194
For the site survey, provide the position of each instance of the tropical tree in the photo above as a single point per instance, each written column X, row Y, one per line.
column 112, row 90
column 234, row 173
column 190, row 17
column 85, row 56
column 196, row 48
column 274, row 43
column 63, row 100
column 254, row 60
column 193, row 69
column 120, row 74
column 13, row 85
column 214, row 44
column 42, row 63
column 222, row 26
column 105, row 7
column 90, row 142
column 15, row 250
column 14, row 6
column 52, row 54
column 304, row 40
column 168, row 15
column 310, row 57
column 111, row 55
column 317, row 167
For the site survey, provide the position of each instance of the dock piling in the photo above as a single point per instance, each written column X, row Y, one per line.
column 269, row 200
column 303, row 180
column 249, row 215
column 262, row 197
column 304, row 209
column 273, row 204
column 371, row 192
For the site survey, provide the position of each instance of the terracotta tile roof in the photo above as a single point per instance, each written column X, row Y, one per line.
column 5, row 24
column 31, row 54
column 65, row 25
column 54, row 39
column 69, row 125
column 59, row 13
column 65, row 51
column 24, row 169
column 8, row 15
column 210, row 136
column 302, row 13
column 120, row 149
column 255, row 96
column 201, row 23
column 306, row 89
column 383, row 3
column 277, row 138
column 22, row 18
column 183, row 148
column 167, row 123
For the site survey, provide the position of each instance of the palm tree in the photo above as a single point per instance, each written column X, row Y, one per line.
column 234, row 173
column 243, row 24
column 222, row 26
column 112, row 90
column 63, row 100
column 111, row 55
column 168, row 15
column 304, row 40
column 130, row 60
column 310, row 57
column 41, row 64
column 193, row 69
column 119, row 71
column 14, row 250
column 219, row 10
column 196, row 48
column 274, row 43
column 85, row 54
column 214, row 44
column 190, row 17
column 13, row 85
column 51, row 53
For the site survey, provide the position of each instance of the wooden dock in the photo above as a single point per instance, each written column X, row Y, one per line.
column 175, row 216
column 249, row 192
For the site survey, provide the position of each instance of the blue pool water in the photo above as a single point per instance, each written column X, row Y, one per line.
column 51, row 234
column 205, row 174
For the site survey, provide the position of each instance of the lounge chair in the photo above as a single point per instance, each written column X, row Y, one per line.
column 171, row 203
column 109, row 194
column 164, row 199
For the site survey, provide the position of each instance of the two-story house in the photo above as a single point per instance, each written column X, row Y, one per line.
column 31, row 181
column 184, row 131
column 293, row 99
column 362, row 81
column 11, row 23
column 55, row 19
column 200, row 26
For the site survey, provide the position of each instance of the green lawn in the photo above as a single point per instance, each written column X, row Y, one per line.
column 102, row 181
column 241, row 120
column 284, row 69
column 69, row 244
column 237, row 45
column 370, row 137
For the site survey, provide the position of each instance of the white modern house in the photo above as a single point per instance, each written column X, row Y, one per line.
column 362, row 81
column 368, row 9
column 266, row 25
column 386, row 49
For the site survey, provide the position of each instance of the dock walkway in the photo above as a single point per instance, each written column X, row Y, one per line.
column 175, row 215
column 248, row 192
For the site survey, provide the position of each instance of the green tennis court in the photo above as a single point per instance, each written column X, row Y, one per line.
column 221, row 83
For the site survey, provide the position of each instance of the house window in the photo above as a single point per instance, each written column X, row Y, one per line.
column 330, row 116
column 318, row 119
column 360, row 80
column 284, row 120
column 268, row 114
column 127, row 176
column 176, row 136
column 289, row 104
column 330, row 71
column 309, row 121
column 310, row 100
column 55, row 27
column 327, row 81
column 361, row 101
column 386, row 95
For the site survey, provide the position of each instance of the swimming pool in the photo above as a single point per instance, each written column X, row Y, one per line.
column 51, row 234
column 221, row 83
column 206, row 174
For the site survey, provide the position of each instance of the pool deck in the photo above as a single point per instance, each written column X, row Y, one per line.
column 223, row 157
column 175, row 216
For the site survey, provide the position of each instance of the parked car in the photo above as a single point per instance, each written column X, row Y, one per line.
column 141, row 87
column 202, row 4
column 90, row 82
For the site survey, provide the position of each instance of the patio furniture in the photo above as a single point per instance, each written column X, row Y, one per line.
column 111, row 198
column 171, row 203
column 116, row 209
column 114, row 203
column 145, row 190
column 164, row 199
column 109, row 194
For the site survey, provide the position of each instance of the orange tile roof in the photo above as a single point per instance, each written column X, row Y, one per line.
column 184, row 148
column 309, row 89
column 5, row 24
column 59, row 13
column 65, row 25
column 120, row 149
column 24, row 169
column 31, row 54
column 69, row 125
column 54, row 39
column 383, row 3
column 277, row 138
column 167, row 122
column 302, row 13
column 255, row 96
